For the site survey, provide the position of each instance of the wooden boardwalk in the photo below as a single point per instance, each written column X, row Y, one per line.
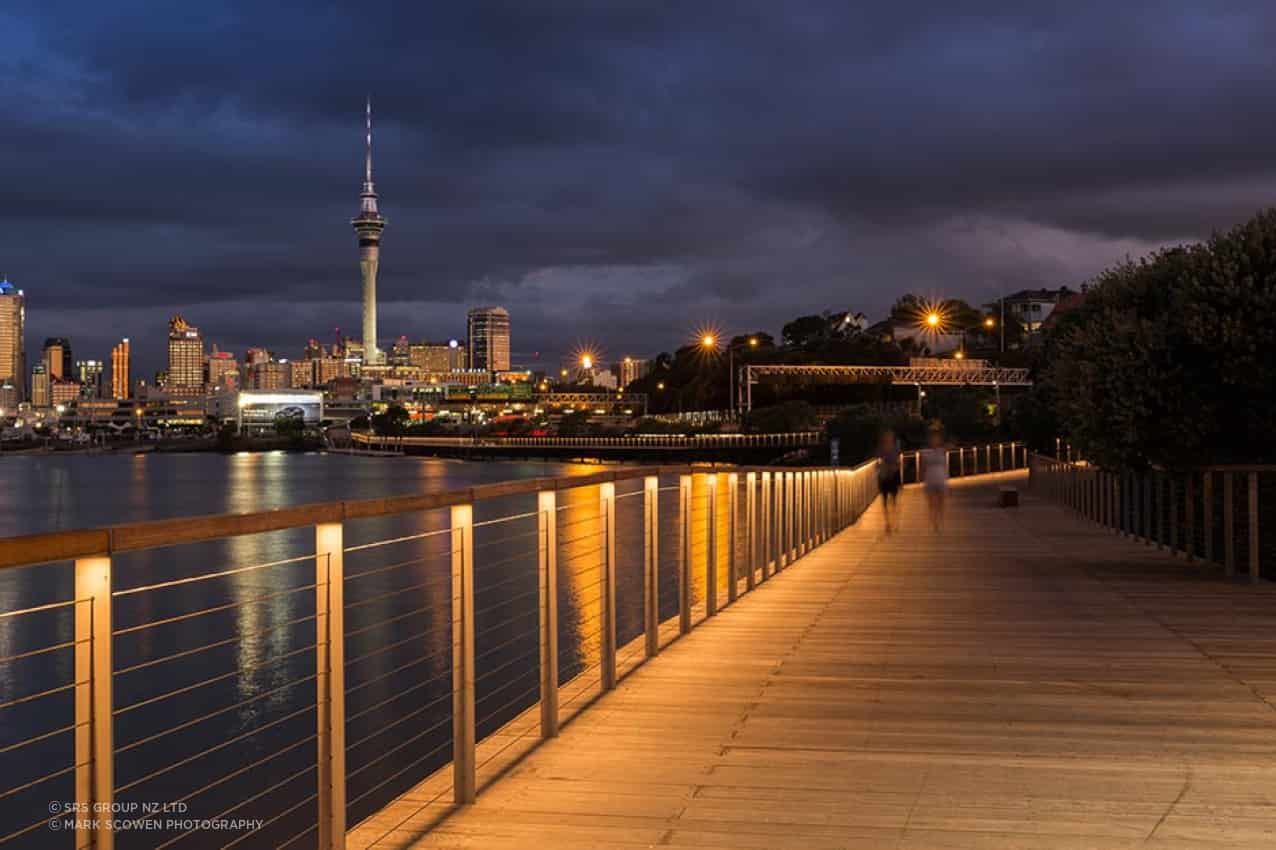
column 1022, row 680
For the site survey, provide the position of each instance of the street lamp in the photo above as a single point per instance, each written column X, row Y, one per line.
column 710, row 343
column 933, row 319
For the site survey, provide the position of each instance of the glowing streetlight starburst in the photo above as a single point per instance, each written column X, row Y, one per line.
column 707, row 338
column 932, row 317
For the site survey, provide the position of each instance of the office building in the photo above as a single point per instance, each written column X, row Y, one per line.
column 399, row 352
column 631, row 369
column 328, row 369
column 368, row 225
column 223, row 372
column 119, row 370
column 272, row 375
column 13, row 362
column 185, row 358
column 489, row 333
column 41, row 392
column 458, row 356
column 431, row 356
column 57, row 358
column 301, row 374
column 89, row 374
column 62, row 392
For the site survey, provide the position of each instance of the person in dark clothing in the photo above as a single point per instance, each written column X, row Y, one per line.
column 888, row 459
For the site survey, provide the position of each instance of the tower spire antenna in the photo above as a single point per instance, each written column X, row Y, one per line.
column 367, row 161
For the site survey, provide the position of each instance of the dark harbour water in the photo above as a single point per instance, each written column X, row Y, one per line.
column 215, row 710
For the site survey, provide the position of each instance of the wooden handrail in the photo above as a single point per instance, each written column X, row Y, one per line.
column 131, row 537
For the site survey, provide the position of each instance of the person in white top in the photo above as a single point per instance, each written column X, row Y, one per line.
column 934, row 460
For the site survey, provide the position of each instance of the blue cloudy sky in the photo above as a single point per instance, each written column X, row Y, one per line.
column 615, row 171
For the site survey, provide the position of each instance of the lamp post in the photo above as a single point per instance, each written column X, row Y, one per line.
column 710, row 343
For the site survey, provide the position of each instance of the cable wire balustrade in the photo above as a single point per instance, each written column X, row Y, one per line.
column 310, row 691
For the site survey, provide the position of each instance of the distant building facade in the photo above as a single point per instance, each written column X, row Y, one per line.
column 489, row 339
column 91, row 376
column 185, row 358
column 431, row 356
column 223, row 372
column 41, row 392
column 631, row 369
column 57, row 358
column 13, row 362
column 120, row 369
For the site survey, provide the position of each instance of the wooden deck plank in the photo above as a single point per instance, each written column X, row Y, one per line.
column 1021, row 680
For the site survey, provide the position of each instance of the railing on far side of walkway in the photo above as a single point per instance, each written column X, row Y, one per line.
column 735, row 529
column 969, row 460
column 1212, row 514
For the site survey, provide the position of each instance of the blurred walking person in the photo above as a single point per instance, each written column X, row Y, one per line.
column 934, row 472
column 888, row 459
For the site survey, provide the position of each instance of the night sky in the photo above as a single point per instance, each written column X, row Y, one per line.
column 610, row 171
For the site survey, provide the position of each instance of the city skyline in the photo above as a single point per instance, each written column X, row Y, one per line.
column 622, row 166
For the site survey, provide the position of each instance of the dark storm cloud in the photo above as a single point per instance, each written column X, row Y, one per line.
column 612, row 170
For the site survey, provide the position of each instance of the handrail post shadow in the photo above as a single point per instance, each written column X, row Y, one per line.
column 651, row 563
column 94, row 709
column 684, row 554
column 464, row 784
column 607, row 507
column 330, row 683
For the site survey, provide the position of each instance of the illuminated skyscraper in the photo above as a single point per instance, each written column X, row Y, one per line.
column 185, row 358
column 57, row 358
column 368, row 226
column 89, row 375
column 41, row 391
column 119, row 370
column 489, row 332
column 13, row 361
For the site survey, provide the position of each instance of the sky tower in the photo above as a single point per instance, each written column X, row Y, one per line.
column 368, row 226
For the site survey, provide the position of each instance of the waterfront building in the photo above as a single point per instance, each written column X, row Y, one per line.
column 631, row 369
column 399, row 352
column 328, row 369
column 458, row 356
column 13, row 361
column 89, row 373
column 62, row 393
column 41, row 392
column 185, row 358
column 57, row 358
column 368, row 225
column 223, row 372
column 301, row 373
column 271, row 375
column 119, row 369
column 431, row 356
column 489, row 339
